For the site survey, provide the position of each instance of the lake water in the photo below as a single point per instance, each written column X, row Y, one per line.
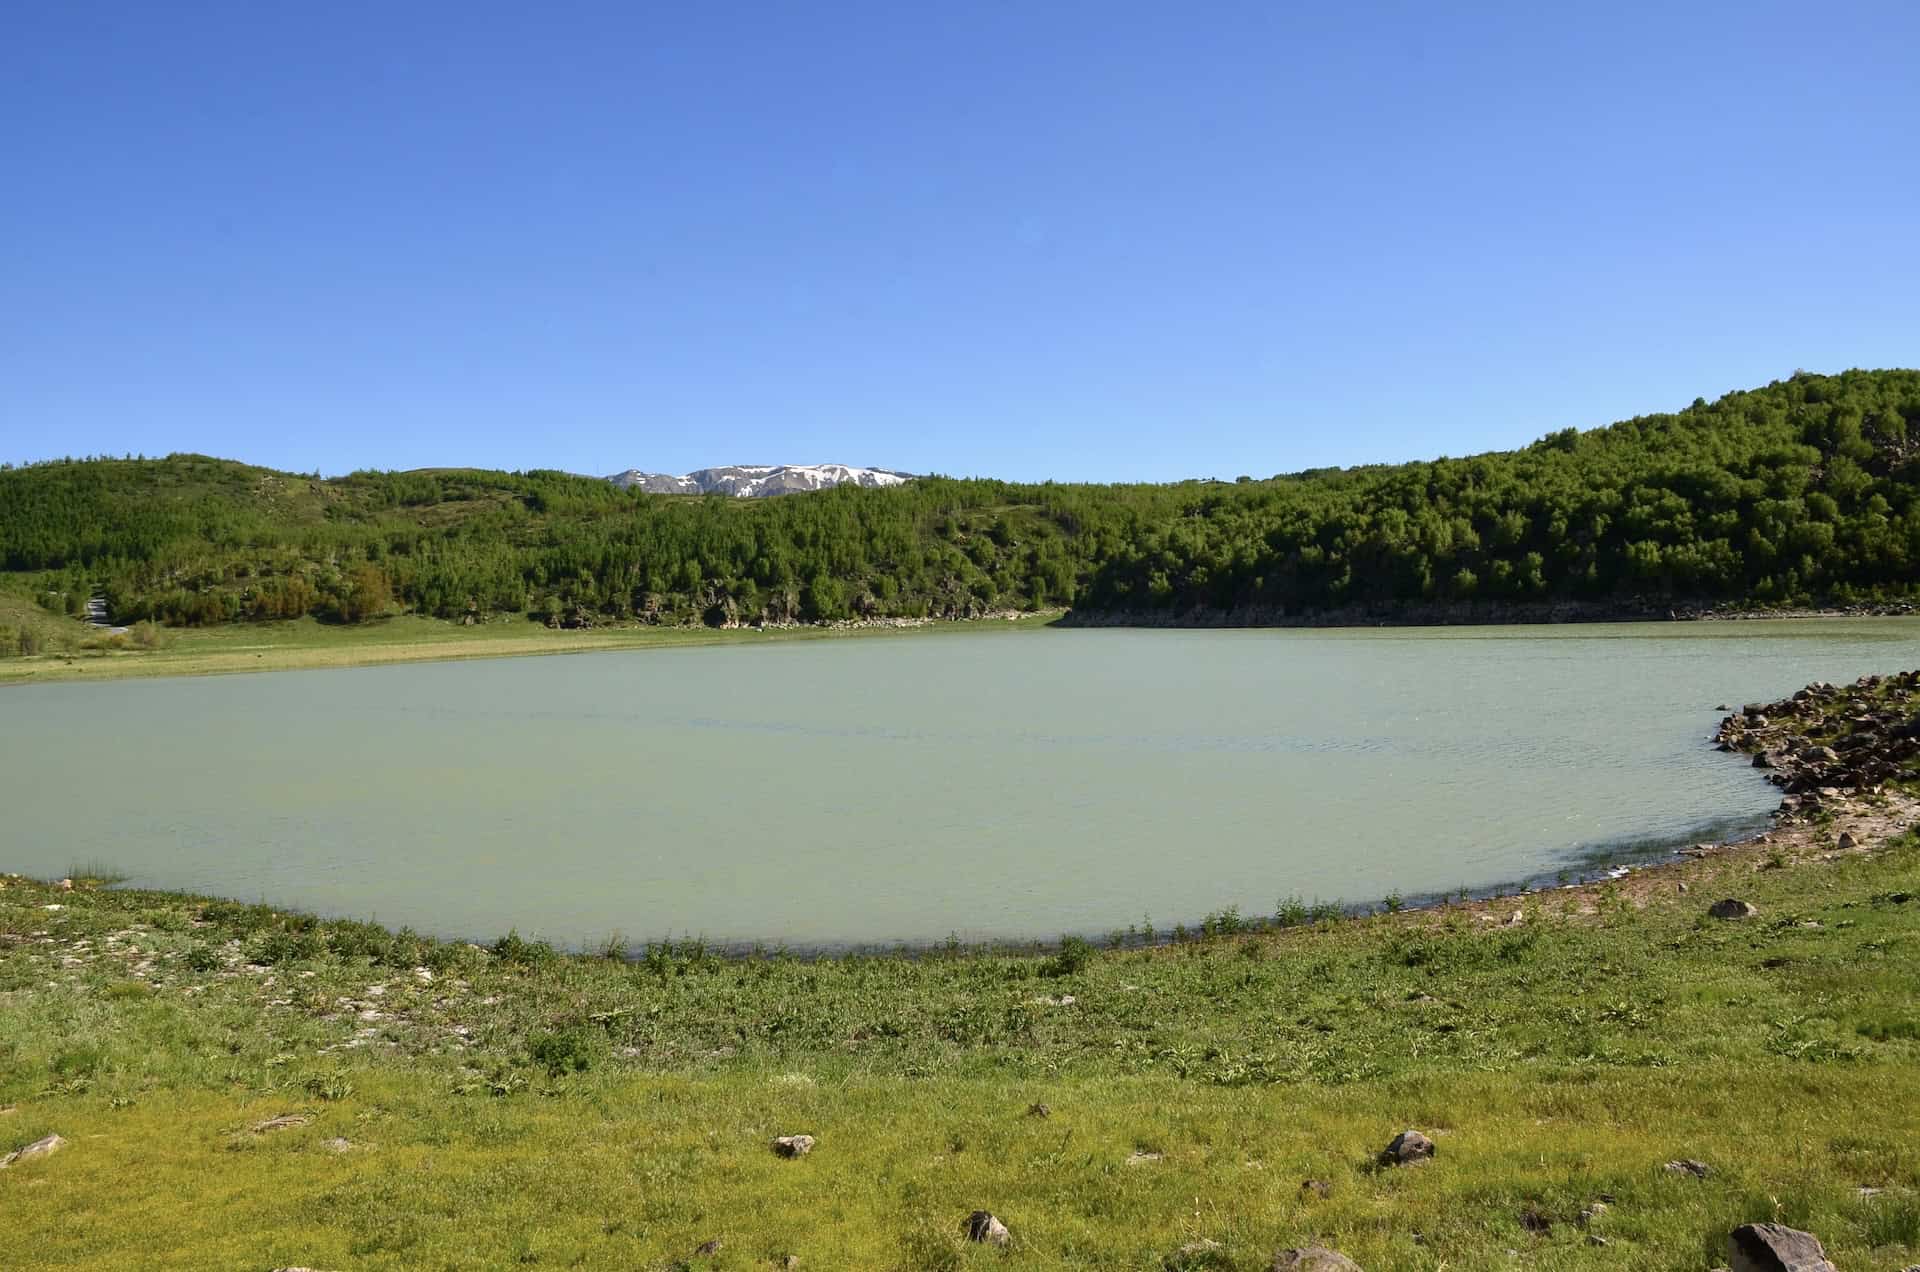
column 868, row 790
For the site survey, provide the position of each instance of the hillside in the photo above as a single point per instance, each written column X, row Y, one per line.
column 1804, row 491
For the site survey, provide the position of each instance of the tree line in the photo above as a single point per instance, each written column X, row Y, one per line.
column 1803, row 491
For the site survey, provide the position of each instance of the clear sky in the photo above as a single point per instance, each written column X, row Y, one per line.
column 1102, row 240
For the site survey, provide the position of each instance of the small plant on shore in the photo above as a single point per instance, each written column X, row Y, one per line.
column 563, row 1051
column 1394, row 902
column 203, row 958
column 516, row 950
column 332, row 1085
column 1074, row 955
column 285, row 947
column 1225, row 922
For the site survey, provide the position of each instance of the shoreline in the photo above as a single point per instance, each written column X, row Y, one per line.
column 306, row 645
column 1596, row 1065
column 1828, row 805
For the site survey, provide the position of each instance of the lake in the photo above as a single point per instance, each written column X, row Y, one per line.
column 991, row 785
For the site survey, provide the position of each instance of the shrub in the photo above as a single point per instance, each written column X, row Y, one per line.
column 568, row 1050
column 1073, row 956
column 512, row 948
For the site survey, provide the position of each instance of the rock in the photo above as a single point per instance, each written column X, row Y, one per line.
column 1687, row 1166
column 1313, row 1259
column 790, row 1262
column 1821, row 755
column 1037, row 1109
column 285, row 1121
column 65, row 885
column 1318, row 1187
column 711, row 1246
column 793, row 1145
column 1847, row 840
column 983, row 1227
column 1770, row 1247
column 1193, row 1254
column 1595, row 1239
column 1533, row 1221
column 1407, row 1148
column 1731, row 908
column 1762, row 760
column 1592, row 1211
column 39, row 1148
column 1141, row 1159
column 337, row 1144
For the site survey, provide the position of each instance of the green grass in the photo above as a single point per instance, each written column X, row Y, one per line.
column 307, row 644
column 516, row 1107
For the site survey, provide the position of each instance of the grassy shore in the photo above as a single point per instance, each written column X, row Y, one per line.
column 242, row 1087
column 470, row 1108
column 308, row 645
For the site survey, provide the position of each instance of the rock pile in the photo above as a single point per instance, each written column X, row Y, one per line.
column 1826, row 741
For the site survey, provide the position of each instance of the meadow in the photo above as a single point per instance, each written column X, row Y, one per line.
column 240, row 1086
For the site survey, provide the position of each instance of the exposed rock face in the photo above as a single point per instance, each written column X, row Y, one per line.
column 1407, row 1148
column 1769, row 1247
column 1732, row 909
column 984, row 1227
column 39, row 1148
column 1313, row 1259
column 793, row 1145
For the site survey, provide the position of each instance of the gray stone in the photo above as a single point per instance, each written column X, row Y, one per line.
column 1771, row 1247
column 1313, row 1259
column 1407, row 1148
column 1687, row 1166
column 286, row 1121
column 1318, row 1187
column 39, row 1148
column 984, row 1227
column 1731, row 908
column 793, row 1145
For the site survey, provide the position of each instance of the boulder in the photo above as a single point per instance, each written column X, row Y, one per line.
column 1313, row 1259
column 793, row 1145
column 1731, row 908
column 1771, row 1247
column 1687, row 1166
column 1407, row 1148
column 39, row 1148
column 984, row 1227
column 1847, row 840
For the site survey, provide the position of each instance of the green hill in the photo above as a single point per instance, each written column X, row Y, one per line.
column 1804, row 491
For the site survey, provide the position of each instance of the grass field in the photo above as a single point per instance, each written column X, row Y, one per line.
column 307, row 644
column 512, row 1107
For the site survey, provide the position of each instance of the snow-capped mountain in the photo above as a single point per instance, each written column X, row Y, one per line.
column 748, row 480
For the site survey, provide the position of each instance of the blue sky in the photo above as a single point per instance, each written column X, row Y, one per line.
column 1065, row 240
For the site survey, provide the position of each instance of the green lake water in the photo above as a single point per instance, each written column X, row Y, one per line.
column 991, row 785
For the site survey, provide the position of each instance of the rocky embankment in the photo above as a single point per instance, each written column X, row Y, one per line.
column 1829, row 746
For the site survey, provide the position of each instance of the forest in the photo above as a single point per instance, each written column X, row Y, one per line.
column 1803, row 492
